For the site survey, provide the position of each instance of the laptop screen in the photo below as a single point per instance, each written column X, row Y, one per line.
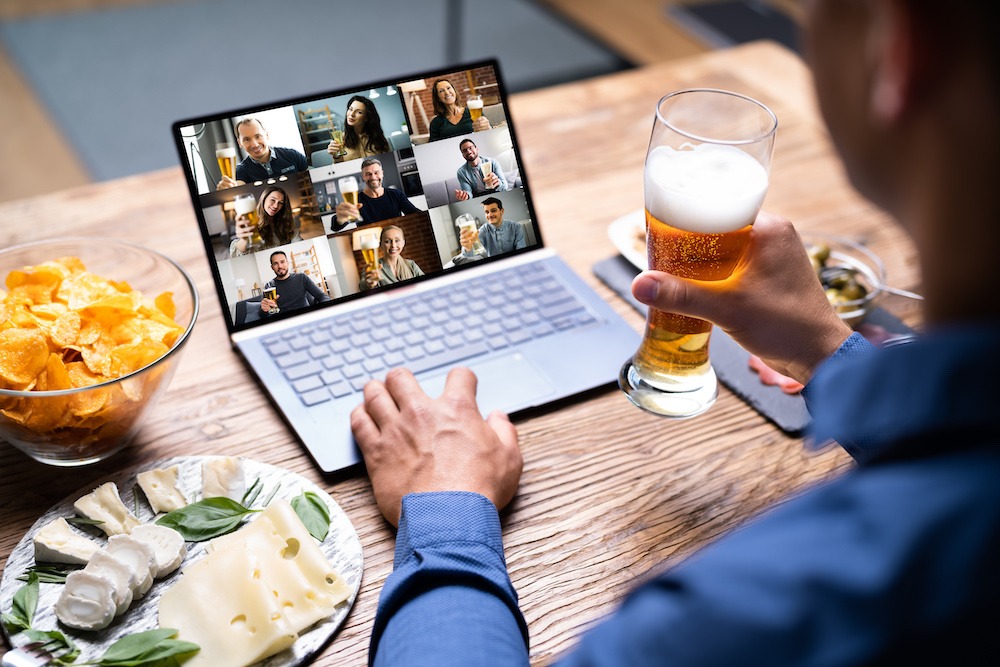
column 336, row 196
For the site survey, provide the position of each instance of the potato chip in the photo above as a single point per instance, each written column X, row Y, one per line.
column 23, row 353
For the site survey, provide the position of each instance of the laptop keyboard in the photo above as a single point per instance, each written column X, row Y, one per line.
column 338, row 356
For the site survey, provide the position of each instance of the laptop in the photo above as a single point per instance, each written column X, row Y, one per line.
column 321, row 295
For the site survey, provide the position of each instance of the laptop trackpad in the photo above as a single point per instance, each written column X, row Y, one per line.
column 509, row 382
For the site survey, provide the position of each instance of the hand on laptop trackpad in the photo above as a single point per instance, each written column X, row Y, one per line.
column 509, row 383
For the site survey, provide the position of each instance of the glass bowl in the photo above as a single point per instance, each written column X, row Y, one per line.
column 847, row 258
column 78, row 426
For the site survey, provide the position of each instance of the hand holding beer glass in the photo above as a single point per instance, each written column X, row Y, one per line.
column 225, row 155
column 245, row 209
column 468, row 233
column 271, row 294
column 490, row 179
column 348, row 187
column 705, row 178
column 369, row 251
column 475, row 106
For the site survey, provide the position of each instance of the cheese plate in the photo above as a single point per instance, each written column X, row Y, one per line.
column 341, row 547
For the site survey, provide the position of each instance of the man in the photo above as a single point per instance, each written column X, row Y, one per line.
column 292, row 288
column 375, row 202
column 497, row 235
column 470, row 174
column 895, row 561
column 263, row 160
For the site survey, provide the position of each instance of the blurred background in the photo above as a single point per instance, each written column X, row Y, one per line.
column 89, row 88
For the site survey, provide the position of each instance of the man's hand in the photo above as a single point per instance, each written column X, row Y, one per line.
column 773, row 305
column 347, row 212
column 461, row 195
column 412, row 443
column 492, row 181
column 267, row 304
column 467, row 239
column 227, row 182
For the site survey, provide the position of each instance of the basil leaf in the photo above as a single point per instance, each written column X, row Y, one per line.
column 49, row 574
column 23, row 606
column 314, row 513
column 55, row 642
column 270, row 496
column 252, row 492
column 145, row 648
column 206, row 518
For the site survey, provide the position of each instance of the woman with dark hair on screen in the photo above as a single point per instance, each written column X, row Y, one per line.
column 451, row 117
column 363, row 135
column 275, row 225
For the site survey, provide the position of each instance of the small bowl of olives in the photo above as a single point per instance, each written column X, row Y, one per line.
column 851, row 274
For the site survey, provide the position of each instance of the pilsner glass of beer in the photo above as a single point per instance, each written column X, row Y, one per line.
column 475, row 106
column 272, row 294
column 246, row 206
column 705, row 178
column 469, row 222
column 348, row 187
column 225, row 153
column 369, row 251
column 337, row 134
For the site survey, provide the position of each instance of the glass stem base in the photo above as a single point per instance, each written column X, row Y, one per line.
column 687, row 400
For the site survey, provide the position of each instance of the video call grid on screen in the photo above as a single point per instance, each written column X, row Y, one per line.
column 422, row 170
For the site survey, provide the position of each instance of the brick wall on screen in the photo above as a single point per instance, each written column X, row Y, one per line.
column 482, row 79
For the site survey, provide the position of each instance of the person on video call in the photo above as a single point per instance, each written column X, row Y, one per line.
column 451, row 117
column 375, row 202
column 392, row 266
column 292, row 287
column 892, row 563
column 275, row 226
column 497, row 235
column 470, row 174
column 263, row 161
column 363, row 135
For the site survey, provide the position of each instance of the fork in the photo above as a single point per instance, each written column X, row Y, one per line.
column 29, row 655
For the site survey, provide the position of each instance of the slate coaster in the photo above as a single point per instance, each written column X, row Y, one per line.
column 731, row 362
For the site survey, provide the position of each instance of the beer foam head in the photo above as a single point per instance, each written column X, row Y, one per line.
column 369, row 242
column 708, row 189
column 475, row 104
column 228, row 151
column 243, row 205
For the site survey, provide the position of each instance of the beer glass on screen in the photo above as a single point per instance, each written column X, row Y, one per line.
column 369, row 251
column 705, row 178
column 245, row 206
column 225, row 154
column 486, row 168
column 475, row 107
column 272, row 294
column 348, row 187
column 467, row 221
column 337, row 135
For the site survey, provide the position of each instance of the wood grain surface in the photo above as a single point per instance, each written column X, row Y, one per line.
column 610, row 495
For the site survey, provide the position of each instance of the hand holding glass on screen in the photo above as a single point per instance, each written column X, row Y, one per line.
column 348, row 208
column 705, row 178
column 336, row 147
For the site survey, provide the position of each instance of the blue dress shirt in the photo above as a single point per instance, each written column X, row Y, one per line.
column 895, row 562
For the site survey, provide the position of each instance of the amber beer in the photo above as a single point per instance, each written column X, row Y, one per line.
column 246, row 206
column 226, row 157
column 348, row 187
column 705, row 178
column 475, row 106
column 272, row 294
column 369, row 251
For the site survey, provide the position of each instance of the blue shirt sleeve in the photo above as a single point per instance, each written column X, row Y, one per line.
column 449, row 600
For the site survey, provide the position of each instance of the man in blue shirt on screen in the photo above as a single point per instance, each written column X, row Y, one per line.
column 895, row 562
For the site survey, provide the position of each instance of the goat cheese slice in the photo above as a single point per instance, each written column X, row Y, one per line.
column 167, row 545
column 160, row 487
column 118, row 573
column 86, row 601
column 138, row 556
column 56, row 542
column 104, row 504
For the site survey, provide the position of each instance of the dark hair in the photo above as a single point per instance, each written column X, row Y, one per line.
column 279, row 229
column 375, row 141
column 439, row 107
column 277, row 252
column 492, row 200
column 465, row 141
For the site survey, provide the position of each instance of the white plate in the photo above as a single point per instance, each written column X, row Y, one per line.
column 628, row 233
column 342, row 547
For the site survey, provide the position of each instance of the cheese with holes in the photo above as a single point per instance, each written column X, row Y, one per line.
column 56, row 542
column 223, row 476
column 160, row 487
column 104, row 504
column 253, row 590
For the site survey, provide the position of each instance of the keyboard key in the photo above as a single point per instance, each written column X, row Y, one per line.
column 340, row 389
column 292, row 359
column 303, row 370
column 278, row 348
column 316, row 396
column 307, row 384
column 352, row 371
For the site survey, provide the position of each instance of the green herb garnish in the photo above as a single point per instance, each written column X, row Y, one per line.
column 205, row 519
column 23, row 606
column 83, row 521
column 56, row 643
column 145, row 648
column 49, row 574
column 251, row 493
column 314, row 513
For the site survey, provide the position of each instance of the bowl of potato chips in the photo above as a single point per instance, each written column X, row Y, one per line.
column 91, row 331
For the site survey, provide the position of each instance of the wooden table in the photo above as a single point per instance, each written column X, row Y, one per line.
column 609, row 493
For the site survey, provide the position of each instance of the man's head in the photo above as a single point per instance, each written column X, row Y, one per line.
column 279, row 264
column 371, row 173
column 493, row 208
column 469, row 151
column 253, row 138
